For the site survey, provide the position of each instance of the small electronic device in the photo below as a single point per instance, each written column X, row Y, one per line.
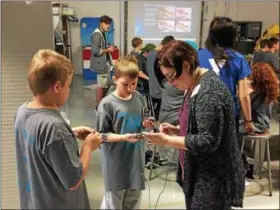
column 104, row 137
column 138, row 136
column 151, row 119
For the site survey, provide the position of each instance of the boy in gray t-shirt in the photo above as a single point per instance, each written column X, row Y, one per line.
column 120, row 116
column 50, row 169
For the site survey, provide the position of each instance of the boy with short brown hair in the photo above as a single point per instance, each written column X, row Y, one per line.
column 120, row 115
column 137, row 44
column 50, row 169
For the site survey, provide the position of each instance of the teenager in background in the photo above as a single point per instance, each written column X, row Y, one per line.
column 269, row 56
column 101, row 59
column 143, row 81
column 231, row 66
column 137, row 44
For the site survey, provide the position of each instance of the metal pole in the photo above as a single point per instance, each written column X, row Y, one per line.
column 203, row 7
column 125, row 26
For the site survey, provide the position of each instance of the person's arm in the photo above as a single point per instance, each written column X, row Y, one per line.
column 162, row 139
column 113, row 138
column 96, row 45
column 244, row 95
column 85, row 158
column 70, row 168
column 176, row 142
column 142, row 75
column 210, row 122
column 245, row 101
column 104, row 125
column 244, row 98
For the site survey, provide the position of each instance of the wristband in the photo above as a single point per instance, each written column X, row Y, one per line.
column 249, row 121
column 104, row 137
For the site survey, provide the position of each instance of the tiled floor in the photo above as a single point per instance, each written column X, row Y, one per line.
column 80, row 109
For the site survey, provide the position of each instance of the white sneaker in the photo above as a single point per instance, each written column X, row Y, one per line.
column 247, row 183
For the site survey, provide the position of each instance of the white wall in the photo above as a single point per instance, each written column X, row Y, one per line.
column 91, row 9
column 24, row 30
column 266, row 11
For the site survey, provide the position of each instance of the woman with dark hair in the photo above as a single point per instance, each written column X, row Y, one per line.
column 212, row 174
column 232, row 67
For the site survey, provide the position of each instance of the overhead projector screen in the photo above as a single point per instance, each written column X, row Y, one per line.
column 152, row 20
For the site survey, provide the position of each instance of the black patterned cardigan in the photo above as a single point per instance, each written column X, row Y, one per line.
column 214, row 173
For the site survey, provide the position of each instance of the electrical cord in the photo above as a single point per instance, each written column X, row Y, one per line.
column 167, row 173
column 150, row 207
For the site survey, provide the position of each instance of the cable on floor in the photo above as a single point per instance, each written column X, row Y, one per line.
column 150, row 206
column 167, row 173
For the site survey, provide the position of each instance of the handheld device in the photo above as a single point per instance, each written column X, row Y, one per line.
column 139, row 136
column 151, row 119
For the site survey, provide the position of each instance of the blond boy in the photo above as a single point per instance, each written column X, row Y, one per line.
column 50, row 169
column 120, row 115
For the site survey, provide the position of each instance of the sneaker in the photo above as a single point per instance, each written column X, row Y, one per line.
column 247, row 183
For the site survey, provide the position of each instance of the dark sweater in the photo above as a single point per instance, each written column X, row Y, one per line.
column 214, row 173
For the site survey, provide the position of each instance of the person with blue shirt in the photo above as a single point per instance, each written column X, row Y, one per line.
column 231, row 66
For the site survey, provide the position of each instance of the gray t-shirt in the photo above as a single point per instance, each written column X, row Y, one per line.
column 155, row 88
column 48, row 161
column 267, row 57
column 122, row 162
column 172, row 99
column 261, row 112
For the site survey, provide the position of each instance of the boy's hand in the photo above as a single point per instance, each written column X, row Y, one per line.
column 93, row 140
column 132, row 138
column 82, row 132
column 149, row 122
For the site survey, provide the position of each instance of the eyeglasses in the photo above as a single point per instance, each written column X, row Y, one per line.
column 171, row 77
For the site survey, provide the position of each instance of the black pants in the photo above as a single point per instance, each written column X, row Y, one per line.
column 156, row 105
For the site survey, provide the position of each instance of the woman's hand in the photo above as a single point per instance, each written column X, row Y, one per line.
column 82, row 132
column 157, row 138
column 169, row 129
